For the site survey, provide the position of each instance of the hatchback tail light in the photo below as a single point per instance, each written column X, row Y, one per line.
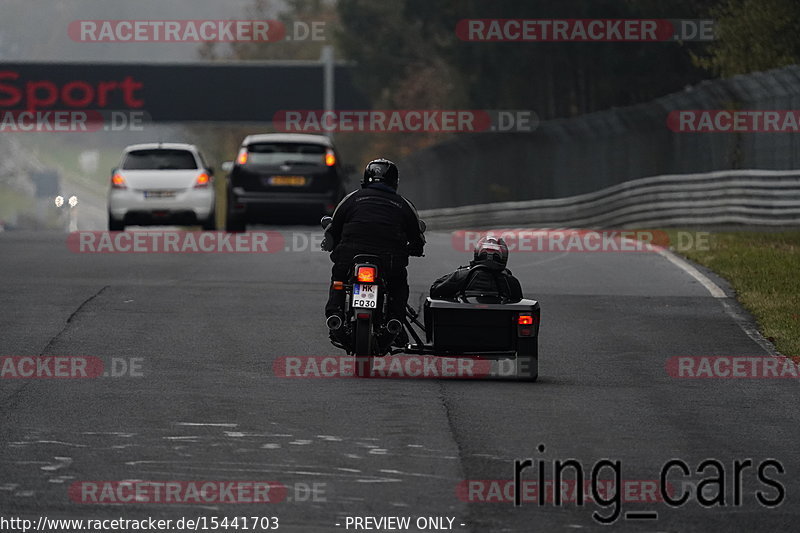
column 118, row 182
column 202, row 181
column 330, row 158
column 242, row 157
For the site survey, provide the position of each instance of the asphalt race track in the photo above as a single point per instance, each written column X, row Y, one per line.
column 199, row 400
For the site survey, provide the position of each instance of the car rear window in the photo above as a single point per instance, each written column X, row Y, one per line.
column 291, row 153
column 159, row 159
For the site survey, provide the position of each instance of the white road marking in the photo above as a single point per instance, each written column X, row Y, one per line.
column 709, row 285
column 206, row 424
column 56, row 442
column 716, row 292
column 112, row 433
column 60, row 462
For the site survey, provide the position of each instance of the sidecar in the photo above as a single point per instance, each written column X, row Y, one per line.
column 485, row 327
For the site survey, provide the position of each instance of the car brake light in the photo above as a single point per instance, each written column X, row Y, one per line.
column 366, row 274
column 330, row 158
column 118, row 182
column 242, row 157
column 525, row 320
column 202, row 180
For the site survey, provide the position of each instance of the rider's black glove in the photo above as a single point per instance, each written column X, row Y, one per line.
column 327, row 243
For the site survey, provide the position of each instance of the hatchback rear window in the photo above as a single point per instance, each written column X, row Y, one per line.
column 159, row 159
column 285, row 153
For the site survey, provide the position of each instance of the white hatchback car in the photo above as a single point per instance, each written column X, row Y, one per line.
column 161, row 184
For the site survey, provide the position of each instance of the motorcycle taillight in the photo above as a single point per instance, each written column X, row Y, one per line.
column 367, row 274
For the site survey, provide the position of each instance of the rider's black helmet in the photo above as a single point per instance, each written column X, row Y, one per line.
column 381, row 171
column 491, row 249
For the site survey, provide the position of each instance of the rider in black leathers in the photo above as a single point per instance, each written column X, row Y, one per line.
column 375, row 220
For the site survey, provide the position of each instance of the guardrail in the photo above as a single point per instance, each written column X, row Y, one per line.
column 768, row 198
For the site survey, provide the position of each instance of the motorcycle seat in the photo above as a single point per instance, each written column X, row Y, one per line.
column 367, row 258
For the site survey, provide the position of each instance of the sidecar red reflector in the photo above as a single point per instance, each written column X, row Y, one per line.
column 362, row 315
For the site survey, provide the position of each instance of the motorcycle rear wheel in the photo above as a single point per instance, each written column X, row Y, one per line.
column 364, row 343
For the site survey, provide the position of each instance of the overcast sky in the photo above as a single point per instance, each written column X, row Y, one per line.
column 37, row 29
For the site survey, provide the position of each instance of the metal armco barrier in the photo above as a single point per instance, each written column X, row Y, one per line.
column 733, row 197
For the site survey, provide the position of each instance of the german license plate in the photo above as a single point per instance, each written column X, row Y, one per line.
column 159, row 194
column 288, row 181
column 365, row 295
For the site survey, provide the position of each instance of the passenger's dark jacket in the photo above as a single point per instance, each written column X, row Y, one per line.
column 478, row 279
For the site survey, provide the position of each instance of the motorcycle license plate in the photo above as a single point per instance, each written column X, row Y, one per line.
column 365, row 295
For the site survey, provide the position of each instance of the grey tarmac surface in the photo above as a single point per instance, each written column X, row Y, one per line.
column 204, row 330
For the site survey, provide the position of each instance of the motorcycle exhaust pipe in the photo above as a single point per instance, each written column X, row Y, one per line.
column 394, row 327
column 334, row 322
